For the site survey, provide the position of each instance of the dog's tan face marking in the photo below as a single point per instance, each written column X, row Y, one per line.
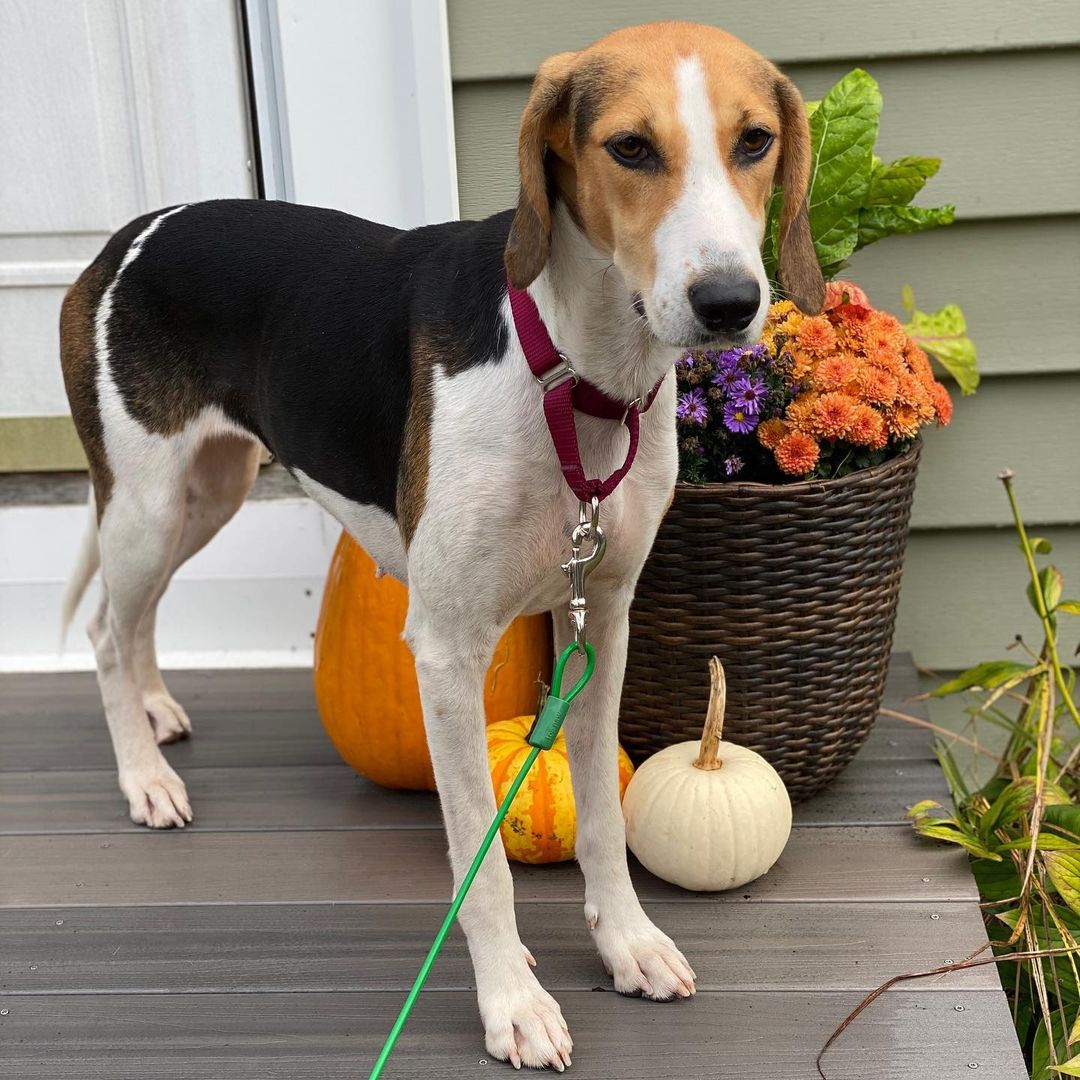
column 665, row 142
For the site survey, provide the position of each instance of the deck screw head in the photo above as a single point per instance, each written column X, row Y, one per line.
column 4, row 1012
column 959, row 1008
column 926, row 880
column 59, row 922
column 33, row 967
column 973, row 1064
column 106, row 844
column 948, row 960
column 935, row 917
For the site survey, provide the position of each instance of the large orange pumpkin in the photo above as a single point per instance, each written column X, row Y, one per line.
column 365, row 683
column 541, row 826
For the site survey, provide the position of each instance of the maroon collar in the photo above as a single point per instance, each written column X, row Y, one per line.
column 565, row 391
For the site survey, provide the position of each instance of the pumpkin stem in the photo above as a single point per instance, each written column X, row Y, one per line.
column 707, row 758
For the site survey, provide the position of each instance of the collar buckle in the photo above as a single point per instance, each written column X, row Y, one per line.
column 557, row 375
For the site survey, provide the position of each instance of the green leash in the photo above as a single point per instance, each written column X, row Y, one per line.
column 541, row 736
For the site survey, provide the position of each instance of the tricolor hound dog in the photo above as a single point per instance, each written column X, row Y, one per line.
column 382, row 368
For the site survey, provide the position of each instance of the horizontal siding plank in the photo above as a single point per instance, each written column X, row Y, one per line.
column 994, row 270
column 962, row 599
column 189, row 867
column 1031, row 425
column 973, row 111
column 490, row 39
column 352, row 947
column 904, row 1036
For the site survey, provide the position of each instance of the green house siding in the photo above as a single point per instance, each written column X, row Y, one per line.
column 994, row 89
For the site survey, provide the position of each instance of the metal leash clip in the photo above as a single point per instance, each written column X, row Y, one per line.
column 580, row 566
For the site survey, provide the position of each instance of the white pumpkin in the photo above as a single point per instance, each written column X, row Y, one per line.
column 707, row 816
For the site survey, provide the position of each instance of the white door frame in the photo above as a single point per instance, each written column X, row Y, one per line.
column 353, row 106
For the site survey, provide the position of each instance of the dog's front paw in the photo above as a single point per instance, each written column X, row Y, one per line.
column 156, row 798
column 643, row 960
column 167, row 717
column 523, row 1023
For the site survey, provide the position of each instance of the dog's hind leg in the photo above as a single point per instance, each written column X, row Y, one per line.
column 139, row 534
column 219, row 477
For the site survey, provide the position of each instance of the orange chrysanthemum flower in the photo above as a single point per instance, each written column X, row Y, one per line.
column 800, row 411
column 878, row 386
column 912, row 392
column 919, row 363
column 817, row 335
column 770, row 432
column 884, row 330
column 803, row 365
column 902, row 422
column 797, row 453
column 833, row 415
column 867, row 428
column 943, row 405
column 835, row 372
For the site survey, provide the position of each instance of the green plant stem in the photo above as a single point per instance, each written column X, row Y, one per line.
column 1040, row 600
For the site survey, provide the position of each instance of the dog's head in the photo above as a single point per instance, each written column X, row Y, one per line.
column 665, row 142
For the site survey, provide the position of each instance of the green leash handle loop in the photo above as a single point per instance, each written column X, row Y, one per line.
column 489, row 836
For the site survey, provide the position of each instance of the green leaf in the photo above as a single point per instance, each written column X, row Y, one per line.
column 843, row 130
column 1039, row 544
column 955, row 835
column 897, row 183
column 1012, row 805
column 877, row 222
column 1040, row 1053
column 943, row 334
column 986, row 676
column 1070, row 607
column 1064, row 816
column 1050, row 584
column 1070, row 1067
column 1064, row 870
column 996, row 880
column 921, row 808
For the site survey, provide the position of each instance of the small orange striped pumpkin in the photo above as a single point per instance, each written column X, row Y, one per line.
column 541, row 826
column 365, row 681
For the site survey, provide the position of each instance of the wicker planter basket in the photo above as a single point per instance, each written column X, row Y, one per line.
column 794, row 587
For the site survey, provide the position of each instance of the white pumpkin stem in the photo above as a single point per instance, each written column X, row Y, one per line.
column 708, row 755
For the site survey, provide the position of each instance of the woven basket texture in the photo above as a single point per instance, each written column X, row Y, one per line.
column 794, row 587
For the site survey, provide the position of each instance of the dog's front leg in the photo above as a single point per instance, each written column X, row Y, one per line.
column 522, row 1021
column 642, row 958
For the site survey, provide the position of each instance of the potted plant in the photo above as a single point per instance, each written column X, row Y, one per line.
column 783, row 547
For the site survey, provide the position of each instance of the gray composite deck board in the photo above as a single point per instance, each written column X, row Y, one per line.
column 260, row 948
column 839, row 865
column 275, row 937
column 274, row 799
column 715, row 1036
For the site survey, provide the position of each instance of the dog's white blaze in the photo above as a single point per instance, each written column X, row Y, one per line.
column 709, row 227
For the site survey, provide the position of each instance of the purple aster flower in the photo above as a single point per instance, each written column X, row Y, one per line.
column 726, row 378
column 739, row 419
column 692, row 407
column 748, row 392
column 686, row 362
column 733, row 464
column 758, row 351
column 731, row 357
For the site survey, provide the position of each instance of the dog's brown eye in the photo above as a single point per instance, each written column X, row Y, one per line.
column 755, row 142
column 630, row 150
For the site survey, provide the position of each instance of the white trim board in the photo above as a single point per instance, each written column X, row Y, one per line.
column 249, row 599
column 354, row 106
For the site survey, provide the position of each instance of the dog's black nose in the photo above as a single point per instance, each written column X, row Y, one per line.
column 724, row 303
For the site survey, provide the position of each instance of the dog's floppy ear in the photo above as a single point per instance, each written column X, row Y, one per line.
column 530, row 233
column 800, row 273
